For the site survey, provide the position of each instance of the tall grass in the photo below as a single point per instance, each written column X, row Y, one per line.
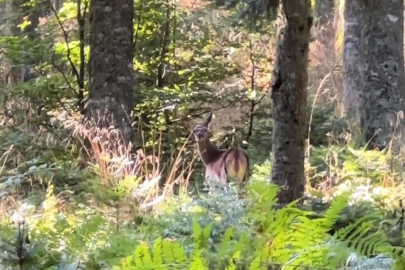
column 143, row 174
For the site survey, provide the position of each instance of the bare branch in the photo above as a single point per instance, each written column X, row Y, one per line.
column 81, row 18
column 62, row 73
column 65, row 34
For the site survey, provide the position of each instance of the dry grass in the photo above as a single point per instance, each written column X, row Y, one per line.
column 141, row 170
column 121, row 177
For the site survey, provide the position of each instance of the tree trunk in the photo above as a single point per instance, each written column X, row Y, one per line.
column 352, row 84
column 111, row 100
column 382, row 61
column 289, row 95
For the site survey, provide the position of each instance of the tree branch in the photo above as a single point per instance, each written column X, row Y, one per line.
column 66, row 37
column 252, row 86
column 80, row 80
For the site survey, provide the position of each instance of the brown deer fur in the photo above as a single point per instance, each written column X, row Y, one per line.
column 221, row 165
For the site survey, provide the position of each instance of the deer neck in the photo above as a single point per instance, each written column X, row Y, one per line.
column 208, row 152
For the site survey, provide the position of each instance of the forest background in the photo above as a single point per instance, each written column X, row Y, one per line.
column 64, row 204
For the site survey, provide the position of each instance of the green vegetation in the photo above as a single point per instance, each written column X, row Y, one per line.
column 64, row 204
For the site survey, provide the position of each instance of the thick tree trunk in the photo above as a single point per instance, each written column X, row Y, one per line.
column 382, row 55
column 111, row 101
column 289, row 95
column 352, row 84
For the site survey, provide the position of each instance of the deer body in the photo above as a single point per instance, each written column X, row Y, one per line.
column 221, row 165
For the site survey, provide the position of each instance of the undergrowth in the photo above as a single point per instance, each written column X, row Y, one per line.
column 67, row 203
column 119, row 215
column 196, row 234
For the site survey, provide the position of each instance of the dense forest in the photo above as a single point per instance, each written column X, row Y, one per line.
column 202, row 134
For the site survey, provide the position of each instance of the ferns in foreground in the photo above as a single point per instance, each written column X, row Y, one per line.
column 288, row 237
column 169, row 254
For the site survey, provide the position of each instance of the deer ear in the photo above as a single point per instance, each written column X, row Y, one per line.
column 208, row 119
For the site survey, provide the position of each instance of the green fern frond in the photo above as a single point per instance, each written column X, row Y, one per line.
column 201, row 235
column 360, row 225
column 173, row 252
column 334, row 211
column 285, row 217
column 126, row 263
column 168, row 251
column 256, row 264
column 235, row 257
column 142, row 255
column 164, row 254
column 225, row 244
column 197, row 230
column 362, row 237
column 242, row 242
column 197, row 263
column 206, row 233
column 157, row 251
column 396, row 252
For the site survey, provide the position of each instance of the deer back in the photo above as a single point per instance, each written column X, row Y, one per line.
column 230, row 165
column 236, row 164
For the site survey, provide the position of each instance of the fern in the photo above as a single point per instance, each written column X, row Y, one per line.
column 225, row 244
column 257, row 264
column 235, row 257
column 360, row 236
column 197, row 263
column 157, row 252
column 334, row 211
column 200, row 235
column 292, row 237
column 165, row 254
column 173, row 253
column 289, row 236
column 142, row 256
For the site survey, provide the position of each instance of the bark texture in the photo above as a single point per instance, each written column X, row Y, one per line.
column 111, row 100
column 382, row 62
column 351, row 60
column 289, row 95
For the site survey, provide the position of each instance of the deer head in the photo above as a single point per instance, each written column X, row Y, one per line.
column 221, row 165
column 201, row 131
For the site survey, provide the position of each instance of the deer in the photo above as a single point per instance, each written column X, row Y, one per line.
column 221, row 165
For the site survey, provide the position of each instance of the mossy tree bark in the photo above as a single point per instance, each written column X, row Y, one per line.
column 289, row 96
column 351, row 62
column 373, row 68
column 382, row 92
column 111, row 99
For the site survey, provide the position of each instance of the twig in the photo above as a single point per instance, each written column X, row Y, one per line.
column 252, row 86
column 66, row 37
column 313, row 108
column 62, row 73
column 81, row 18
column 160, row 81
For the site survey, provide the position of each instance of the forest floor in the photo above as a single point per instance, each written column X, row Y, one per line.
column 55, row 212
